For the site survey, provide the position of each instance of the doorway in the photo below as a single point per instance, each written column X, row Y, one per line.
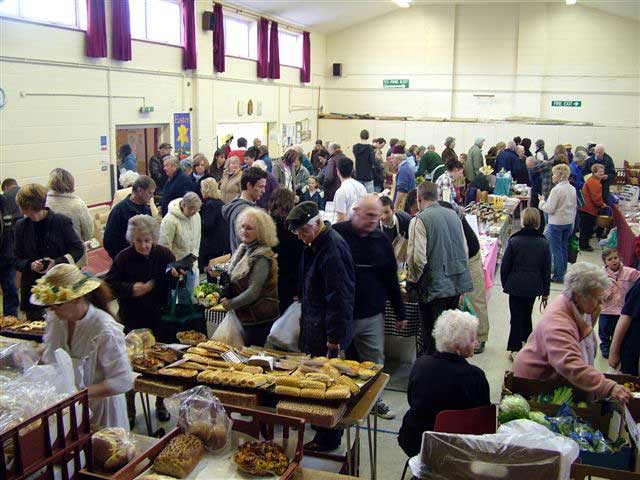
column 143, row 142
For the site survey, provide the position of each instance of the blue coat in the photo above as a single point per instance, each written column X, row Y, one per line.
column 327, row 291
column 114, row 238
column 510, row 161
column 176, row 187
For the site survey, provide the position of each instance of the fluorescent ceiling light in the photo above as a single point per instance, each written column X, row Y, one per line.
column 570, row 2
column 402, row 3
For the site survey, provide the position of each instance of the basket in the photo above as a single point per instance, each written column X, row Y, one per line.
column 605, row 221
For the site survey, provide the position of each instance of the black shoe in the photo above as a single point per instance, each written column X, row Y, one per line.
column 162, row 414
column 132, row 423
column 317, row 447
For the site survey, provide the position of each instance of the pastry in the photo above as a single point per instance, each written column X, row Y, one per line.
column 191, row 337
column 290, row 391
column 349, row 383
column 262, row 458
column 365, row 374
column 8, row 321
column 148, row 340
column 347, row 369
column 146, row 364
column 193, row 365
column 207, row 361
column 180, row 456
column 315, row 384
column 252, row 369
column 216, row 346
column 162, row 353
column 178, row 372
column 256, row 381
column 332, row 371
column 367, row 365
column 312, row 393
column 335, row 393
column 202, row 351
column 288, row 381
column 320, row 377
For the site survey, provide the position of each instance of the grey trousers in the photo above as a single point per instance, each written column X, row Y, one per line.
column 368, row 338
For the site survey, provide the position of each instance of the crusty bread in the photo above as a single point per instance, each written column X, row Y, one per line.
column 178, row 372
column 180, row 456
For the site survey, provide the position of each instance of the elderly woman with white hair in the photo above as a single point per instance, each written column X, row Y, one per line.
column 449, row 153
column 444, row 380
column 180, row 231
column 554, row 349
column 61, row 199
column 561, row 208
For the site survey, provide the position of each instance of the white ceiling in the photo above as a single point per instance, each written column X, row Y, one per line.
column 328, row 16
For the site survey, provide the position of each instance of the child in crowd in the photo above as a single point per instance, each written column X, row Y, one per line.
column 622, row 279
column 625, row 346
column 312, row 192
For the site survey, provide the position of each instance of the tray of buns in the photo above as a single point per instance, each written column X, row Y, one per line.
column 24, row 330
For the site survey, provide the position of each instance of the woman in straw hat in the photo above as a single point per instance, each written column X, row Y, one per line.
column 79, row 322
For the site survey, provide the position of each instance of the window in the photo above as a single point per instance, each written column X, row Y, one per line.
column 156, row 20
column 69, row 13
column 290, row 48
column 241, row 37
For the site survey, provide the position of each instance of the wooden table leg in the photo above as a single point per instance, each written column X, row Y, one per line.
column 349, row 450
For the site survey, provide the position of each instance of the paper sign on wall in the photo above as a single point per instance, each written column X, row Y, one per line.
column 182, row 134
column 103, row 143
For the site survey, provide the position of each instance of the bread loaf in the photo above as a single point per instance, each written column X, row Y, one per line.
column 349, row 383
column 290, row 391
column 180, row 456
column 288, row 381
column 306, row 383
column 337, row 393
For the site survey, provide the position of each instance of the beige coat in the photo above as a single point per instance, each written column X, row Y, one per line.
column 73, row 207
column 179, row 233
column 230, row 187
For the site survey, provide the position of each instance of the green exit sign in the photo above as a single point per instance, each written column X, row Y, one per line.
column 566, row 103
column 395, row 83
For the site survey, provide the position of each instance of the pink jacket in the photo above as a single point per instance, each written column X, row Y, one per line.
column 553, row 350
column 621, row 282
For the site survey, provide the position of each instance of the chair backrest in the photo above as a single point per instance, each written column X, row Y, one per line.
column 473, row 421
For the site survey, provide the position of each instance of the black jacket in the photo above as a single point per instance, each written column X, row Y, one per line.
column 58, row 242
column 176, row 187
column 376, row 271
column 403, row 219
column 156, row 171
column 329, row 176
column 473, row 243
column 130, row 267
column 442, row 381
column 6, row 235
column 327, row 292
column 289, row 251
column 214, row 239
column 365, row 156
column 114, row 238
column 525, row 270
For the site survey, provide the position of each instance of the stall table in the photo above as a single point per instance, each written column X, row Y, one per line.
column 626, row 238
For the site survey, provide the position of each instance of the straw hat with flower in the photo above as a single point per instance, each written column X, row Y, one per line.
column 486, row 170
column 61, row 284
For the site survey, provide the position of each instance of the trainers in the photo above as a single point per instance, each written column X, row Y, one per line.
column 479, row 348
column 383, row 411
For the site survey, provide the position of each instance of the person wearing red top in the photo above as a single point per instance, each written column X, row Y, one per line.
column 593, row 202
column 239, row 152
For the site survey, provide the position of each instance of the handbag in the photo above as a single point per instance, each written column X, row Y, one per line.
column 400, row 245
column 179, row 316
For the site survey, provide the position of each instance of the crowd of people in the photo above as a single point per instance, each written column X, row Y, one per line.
column 393, row 210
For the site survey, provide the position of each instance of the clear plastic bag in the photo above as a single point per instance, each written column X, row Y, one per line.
column 520, row 449
column 230, row 331
column 137, row 341
column 285, row 331
column 200, row 413
column 112, row 449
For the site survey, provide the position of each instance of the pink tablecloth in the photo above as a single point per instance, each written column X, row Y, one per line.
column 489, row 265
column 626, row 238
column 98, row 262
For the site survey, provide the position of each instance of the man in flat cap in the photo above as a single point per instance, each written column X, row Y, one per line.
column 326, row 291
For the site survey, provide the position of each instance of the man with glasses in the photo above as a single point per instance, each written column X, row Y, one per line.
column 326, row 292
column 376, row 280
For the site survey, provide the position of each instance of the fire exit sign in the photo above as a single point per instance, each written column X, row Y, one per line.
column 566, row 103
column 395, row 83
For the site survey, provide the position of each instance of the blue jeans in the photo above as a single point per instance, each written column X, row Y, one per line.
column 606, row 327
column 559, row 243
column 9, row 286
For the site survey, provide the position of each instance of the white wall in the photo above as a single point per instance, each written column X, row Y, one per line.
column 525, row 54
column 85, row 98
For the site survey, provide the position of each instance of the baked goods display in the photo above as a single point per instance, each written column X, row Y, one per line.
column 112, row 449
column 191, row 337
column 17, row 326
column 261, row 458
column 165, row 354
column 178, row 372
column 9, row 321
column 146, row 364
column 180, row 456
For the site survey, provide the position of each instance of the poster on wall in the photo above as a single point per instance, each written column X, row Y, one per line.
column 182, row 134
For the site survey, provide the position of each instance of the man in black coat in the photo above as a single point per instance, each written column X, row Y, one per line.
column 177, row 185
column 8, row 280
column 115, row 232
column 329, row 175
column 365, row 156
column 327, row 294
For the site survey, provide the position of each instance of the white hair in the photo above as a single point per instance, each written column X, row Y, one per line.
column 454, row 330
column 584, row 278
column 511, row 145
column 172, row 160
column 333, row 145
column 260, row 164
column 191, row 200
column 143, row 224
column 599, row 146
column 128, row 178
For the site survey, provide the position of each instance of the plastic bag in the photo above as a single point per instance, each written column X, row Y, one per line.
column 112, row 449
column 137, row 341
column 520, row 449
column 230, row 331
column 285, row 331
column 200, row 413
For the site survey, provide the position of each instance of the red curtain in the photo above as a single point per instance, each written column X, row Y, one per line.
column 218, row 39
column 263, row 48
column 120, row 30
column 189, row 57
column 274, row 52
column 96, row 29
column 305, row 72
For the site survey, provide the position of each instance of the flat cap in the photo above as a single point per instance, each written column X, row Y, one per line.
column 301, row 214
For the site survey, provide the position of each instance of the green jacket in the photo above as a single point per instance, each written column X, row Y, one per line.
column 428, row 162
column 474, row 162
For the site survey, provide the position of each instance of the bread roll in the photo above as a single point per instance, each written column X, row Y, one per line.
column 289, row 391
column 180, row 456
column 349, row 383
column 337, row 393
column 288, row 381
column 312, row 384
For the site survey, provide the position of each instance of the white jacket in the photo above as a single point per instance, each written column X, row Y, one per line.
column 179, row 233
column 561, row 205
column 73, row 207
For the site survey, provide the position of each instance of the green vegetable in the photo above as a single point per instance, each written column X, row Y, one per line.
column 582, row 405
column 540, row 418
column 513, row 407
column 562, row 395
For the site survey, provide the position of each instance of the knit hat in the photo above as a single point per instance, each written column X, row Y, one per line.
column 186, row 163
column 61, row 284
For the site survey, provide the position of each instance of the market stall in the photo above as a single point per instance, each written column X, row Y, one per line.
column 628, row 224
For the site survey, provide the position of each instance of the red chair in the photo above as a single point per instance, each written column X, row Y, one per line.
column 471, row 421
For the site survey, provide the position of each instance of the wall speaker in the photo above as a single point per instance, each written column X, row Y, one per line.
column 337, row 69
column 208, row 21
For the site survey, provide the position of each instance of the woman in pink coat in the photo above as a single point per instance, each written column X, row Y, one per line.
column 553, row 349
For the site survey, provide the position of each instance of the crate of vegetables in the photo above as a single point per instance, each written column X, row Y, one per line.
column 633, row 384
column 207, row 294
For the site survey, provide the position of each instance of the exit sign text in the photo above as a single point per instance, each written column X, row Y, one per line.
column 566, row 103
